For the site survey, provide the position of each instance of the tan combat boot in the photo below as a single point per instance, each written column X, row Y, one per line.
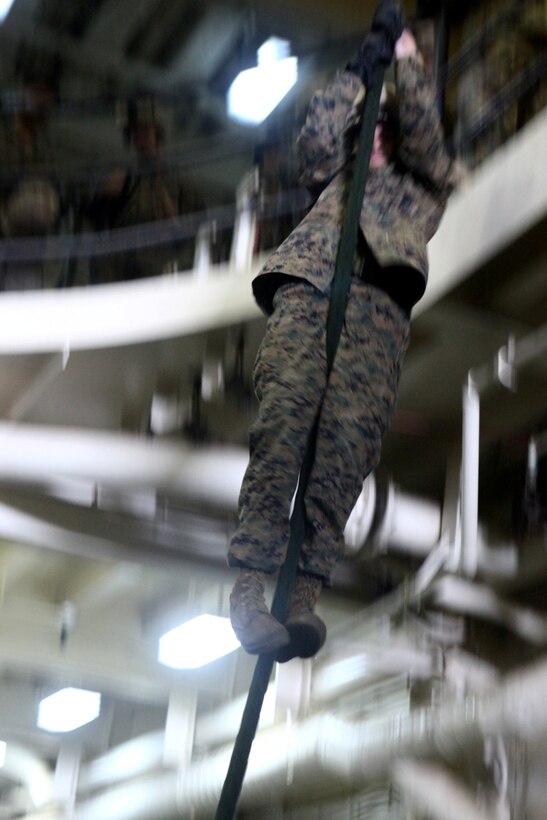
column 306, row 629
column 257, row 630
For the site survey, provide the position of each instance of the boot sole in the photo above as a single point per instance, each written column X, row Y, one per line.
column 274, row 644
column 307, row 635
column 262, row 635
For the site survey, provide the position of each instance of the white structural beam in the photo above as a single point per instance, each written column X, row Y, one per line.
column 433, row 792
column 44, row 454
column 128, row 313
column 479, row 601
column 503, row 198
column 325, row 755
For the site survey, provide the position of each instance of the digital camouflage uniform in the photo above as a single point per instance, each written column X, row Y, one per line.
column 402, row 208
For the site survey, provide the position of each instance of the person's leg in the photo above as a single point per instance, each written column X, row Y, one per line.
column 289, row 378
column 356, row 413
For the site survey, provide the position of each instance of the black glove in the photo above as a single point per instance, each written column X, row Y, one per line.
column 377, row 47
column 389, row 20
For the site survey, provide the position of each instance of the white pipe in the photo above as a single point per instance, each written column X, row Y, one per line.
column 436, row 794
column 42, row 454
column 460, row 595
column 540, row 443
column 325, row 755
column 344, row 674
column 141, row 311
column 508, row 360
column 528, row 349
column 410, row 524
column 470, row 478
column 21, row 766
column 222, row 725
column 360, row 520
column 532, row 466
column 204, row 475
column 138, row 756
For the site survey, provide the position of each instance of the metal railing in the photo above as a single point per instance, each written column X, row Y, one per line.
column 74, row 256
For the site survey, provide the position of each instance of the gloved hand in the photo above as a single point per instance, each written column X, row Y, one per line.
column 389, row 20
column 377, row 47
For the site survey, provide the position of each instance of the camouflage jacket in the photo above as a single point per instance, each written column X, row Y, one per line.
column 403, row 202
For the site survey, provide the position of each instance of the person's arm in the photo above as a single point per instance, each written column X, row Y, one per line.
column 326, row 141
column 322, row 147
column 421, row 139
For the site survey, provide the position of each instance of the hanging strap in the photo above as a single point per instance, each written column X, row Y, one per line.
column 339, row 295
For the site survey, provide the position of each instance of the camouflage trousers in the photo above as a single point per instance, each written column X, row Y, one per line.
column 356, row 408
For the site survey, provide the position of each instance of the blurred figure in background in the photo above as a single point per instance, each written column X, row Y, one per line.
column 515, row 43
column 30, row 203
column 148, row 192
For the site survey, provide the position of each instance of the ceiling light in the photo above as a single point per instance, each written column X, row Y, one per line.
column 197, row 642
column 2, row 753
column 255, row 92
column 5, row 6
column 68, row 709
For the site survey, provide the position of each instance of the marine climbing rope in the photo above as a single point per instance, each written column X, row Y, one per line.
column 340, row 288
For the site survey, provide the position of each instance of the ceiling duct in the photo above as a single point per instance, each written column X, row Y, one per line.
column 202, row 475
column 325, row 755
column 30, row 771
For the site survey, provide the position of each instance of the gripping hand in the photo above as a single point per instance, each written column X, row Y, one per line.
column 389, row 20
column 377, row 47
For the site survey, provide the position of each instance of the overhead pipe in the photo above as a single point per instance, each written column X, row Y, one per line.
column 477, row 380
column 205, row 475
column 468, row 552
column 537, row 447
column 325, row 754
column 125, row 313
column 410, row 524
column 510, row 357
column 340, row 675
column 145, row 754
column 436, row 794
column 470, row 478
column 477, row 600
column 33, row 773
column 41, row 454
column 134, row 758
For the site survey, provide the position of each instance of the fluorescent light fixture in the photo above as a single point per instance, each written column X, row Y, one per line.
column 2, row 752
column 68, row 709
column 255, row 92
column 197, row 642
column 5, row 6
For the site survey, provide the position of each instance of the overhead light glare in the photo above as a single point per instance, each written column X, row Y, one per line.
column 68, row 709
column 2, row 753
column 255, row 92
column 5, row 6
column 197, row 642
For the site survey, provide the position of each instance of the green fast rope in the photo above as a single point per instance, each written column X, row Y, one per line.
column 337, row 307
